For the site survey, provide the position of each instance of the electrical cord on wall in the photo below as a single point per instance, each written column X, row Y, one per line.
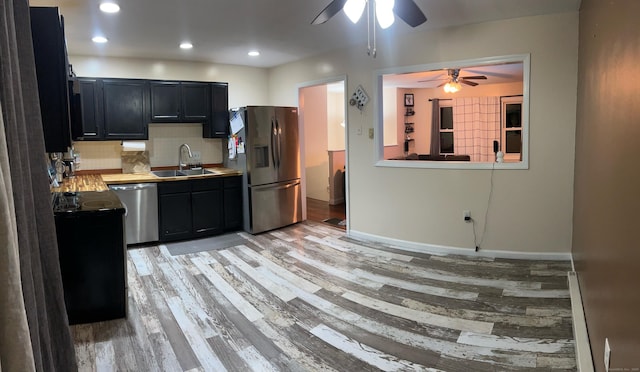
column 486, row 214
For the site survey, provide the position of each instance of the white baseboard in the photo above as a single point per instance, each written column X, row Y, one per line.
column 441, row 249
column 336, row 201
column 584, row 359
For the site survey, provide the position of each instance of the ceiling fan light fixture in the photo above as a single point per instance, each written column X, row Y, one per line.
column 354, row 9
column 452, row 87
column 384, row 13
column 109, row 7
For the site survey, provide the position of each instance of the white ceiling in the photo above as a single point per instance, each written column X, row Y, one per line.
column 223, row 31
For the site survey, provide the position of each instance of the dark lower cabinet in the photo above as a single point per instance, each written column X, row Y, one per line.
column 175, row 216
column 90, row 228
column 196, row 208
column 206, row 209
column 232, row 203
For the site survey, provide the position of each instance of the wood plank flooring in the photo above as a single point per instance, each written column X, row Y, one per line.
column 308, row 298
column 318, row 210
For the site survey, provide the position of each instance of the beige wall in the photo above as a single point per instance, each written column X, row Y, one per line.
column 530, row 210
column 335, row 116
column 607, row 181
column 247, row 86
column 313, row 113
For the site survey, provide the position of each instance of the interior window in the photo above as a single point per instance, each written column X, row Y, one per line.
column 463, row 112
column 446, row 130
column 512, row 128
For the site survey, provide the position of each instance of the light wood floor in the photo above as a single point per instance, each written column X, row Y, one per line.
column 307, row 298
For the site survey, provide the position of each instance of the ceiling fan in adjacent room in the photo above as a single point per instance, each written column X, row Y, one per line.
column 454, row 80
column 384, row 10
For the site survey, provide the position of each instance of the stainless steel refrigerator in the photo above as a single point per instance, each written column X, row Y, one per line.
column 269, row 158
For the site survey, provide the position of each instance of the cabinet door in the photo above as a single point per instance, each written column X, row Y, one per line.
column 47, row 34
column 206, row 209
column 92, row 109
column 196, row 102
column 219, row 123
column 126, row 105
column 232, row 203
column 165, row 101
column 175, row 216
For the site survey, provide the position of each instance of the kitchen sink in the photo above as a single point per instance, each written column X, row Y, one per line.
column 181, row 173
column 168, row 173
column 193, row 172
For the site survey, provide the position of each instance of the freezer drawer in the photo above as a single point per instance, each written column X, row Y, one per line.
column 274, row 205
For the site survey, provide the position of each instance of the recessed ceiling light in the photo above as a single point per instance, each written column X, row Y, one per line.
column 110, row 7
column 99, row 39
column 254, row 53
column 186, row 45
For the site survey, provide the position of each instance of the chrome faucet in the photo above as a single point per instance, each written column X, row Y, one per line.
column 180, row 163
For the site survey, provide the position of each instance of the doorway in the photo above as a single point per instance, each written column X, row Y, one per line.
column 322, row 118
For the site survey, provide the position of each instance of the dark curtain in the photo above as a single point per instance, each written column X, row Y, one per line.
column 39, row 268
column 434, row 149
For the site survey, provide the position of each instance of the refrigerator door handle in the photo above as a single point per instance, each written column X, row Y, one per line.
column 287, row 185
column 279, row 142
column 274, row 133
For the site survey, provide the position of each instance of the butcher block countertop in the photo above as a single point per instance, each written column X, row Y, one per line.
column 99, row 182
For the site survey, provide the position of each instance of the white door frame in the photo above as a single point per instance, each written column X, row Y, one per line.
column 303, row 175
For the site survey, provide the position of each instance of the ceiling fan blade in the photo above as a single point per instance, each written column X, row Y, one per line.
column 332, row 9
column 480, row 77
column 471, row 83
column 408, row 11
column 434, row 79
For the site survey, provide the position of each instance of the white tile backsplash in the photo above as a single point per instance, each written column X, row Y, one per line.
column 164, row 141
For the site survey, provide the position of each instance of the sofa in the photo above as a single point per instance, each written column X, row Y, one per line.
column 451, row 157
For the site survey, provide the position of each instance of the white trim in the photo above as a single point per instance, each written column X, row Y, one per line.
column 584, row 359
column 378, row 152
column 442, row 249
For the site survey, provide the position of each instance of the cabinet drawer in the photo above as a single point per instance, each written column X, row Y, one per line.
column 206, row 184
column 173, row 187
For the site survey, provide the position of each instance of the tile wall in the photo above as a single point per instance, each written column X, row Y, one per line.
column 163, row 143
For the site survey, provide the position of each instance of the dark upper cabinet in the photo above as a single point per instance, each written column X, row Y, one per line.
column 176, row 102
column 126, row 108
column 92, row 108
column 196, row 101
column 165, row 101
column 218, row 126
column 47, row 31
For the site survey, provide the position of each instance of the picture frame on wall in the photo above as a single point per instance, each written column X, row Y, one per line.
column 408, row 99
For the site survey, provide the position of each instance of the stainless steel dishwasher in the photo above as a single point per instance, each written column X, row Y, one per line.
column 141, row 217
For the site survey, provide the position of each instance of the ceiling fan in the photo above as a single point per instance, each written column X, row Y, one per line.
column 384, row 11
column 407, row 10
column 453, row 80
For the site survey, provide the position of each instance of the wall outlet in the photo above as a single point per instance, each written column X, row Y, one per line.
column 195, row 159
column 607, row 354
column 371, row 133
column 359, row 131
column 466, row 216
